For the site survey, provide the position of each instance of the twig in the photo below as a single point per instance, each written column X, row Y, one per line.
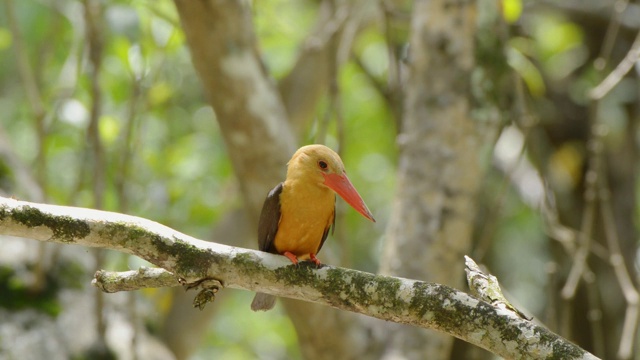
column 335, row 107
column 567, row 237
column 23, row 63
column 93, row 21
column 390, row 298
column 380, row 86
column 306, row 83
column 594, row 311
column 629, row 291
column 39, row 113
column 611, row 34
column 111, row 282
column 508, row 170
column 486, row 288
column 580, row 268
column 616, row 259
column 393, row 78
column 33, row 95
column 618, row 73
column 588, row 216
column 629, row 328
column 143, row 278
column 93, row 32
column 127, row 146
column 394, row 86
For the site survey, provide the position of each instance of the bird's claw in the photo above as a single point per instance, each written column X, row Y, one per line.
column 291, row 257
column 294, row 259
column 315, row 260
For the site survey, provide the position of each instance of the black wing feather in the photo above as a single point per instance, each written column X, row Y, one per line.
column 332, row 227
column 269, row 220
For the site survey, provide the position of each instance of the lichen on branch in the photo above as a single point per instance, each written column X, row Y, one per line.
column 412, row 302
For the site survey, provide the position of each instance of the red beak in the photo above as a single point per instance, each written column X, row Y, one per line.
column 343, row 187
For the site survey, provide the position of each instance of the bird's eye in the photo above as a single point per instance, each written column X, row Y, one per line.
column 322, row 164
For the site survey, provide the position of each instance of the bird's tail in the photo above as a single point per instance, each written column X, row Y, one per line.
column 263, row 302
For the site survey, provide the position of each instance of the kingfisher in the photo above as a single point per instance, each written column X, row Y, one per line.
column 298, row 213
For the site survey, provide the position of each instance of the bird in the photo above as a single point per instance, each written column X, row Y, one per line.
column 299, row 212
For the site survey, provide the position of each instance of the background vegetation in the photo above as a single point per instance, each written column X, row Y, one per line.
column 102, row 108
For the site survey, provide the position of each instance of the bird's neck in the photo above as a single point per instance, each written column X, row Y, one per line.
column 305, row 185
column 307, row 198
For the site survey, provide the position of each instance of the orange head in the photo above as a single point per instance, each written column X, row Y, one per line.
column 321, row 165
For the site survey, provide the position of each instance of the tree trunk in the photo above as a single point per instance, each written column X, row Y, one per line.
column 439, row 173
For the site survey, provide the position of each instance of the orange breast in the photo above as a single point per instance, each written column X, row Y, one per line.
column 306, row 211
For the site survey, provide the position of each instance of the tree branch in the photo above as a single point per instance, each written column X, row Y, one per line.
column 614, row 78
column 308, row 80
column 110, row 282
column 405, row 301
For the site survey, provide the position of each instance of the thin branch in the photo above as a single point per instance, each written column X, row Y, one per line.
column 126, row 150
column 378, row 85
column 597, row 12
column 622, row 273
column 334, row 107
column 567, row 237
column 36, row 103
column 306, row 83
column 143, row 278
column 93, row 22
column 616, row 259
column 580, row 268
column 394, row 88
column 611, row 34
column 110, row 282
column 588, row 216
column 618, row 73
column 94, row 37
column 486, row 287
column 405, row 301
column 23, row 63
column 34, row 96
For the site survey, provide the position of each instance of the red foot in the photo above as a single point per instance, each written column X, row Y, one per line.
column 315, row 260
column 291, row 257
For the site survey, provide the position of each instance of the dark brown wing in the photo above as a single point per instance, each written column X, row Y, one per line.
column 332, row 227
column 269, row 220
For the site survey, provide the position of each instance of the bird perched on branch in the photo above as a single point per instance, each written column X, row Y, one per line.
column 298, row 213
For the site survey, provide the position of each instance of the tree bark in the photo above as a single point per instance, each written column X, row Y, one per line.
column 439, row 172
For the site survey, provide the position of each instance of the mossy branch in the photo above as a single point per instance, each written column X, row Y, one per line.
column 110, row 282
column 430, row 306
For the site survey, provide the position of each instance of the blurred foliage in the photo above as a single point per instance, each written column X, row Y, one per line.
column 282, row 26
column 177, row 171
column 166, row 160
column 18, row 294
